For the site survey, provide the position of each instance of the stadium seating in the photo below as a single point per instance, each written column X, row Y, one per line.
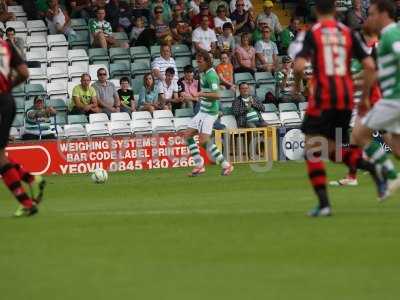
column 140, row 67
column 244, row 77
column 227, row 97
column 58, row 74
column 181, row 50
column 120, row 55
column 162, row 114
column 120, row 124
column 288, row 114
column 184, row 112
column 19, row 26
column 74, row 131
column 81, row 41
column 181, row 123
column 38, row 76
column 57, row 41
column 57, row 89
column 98, row 118
column 97, row 129
column 142, row 126
column 229, row 121
column 139, row 52
column 163, row 125
column 36, row 27
column 19, row 120
column 33, row 90
column 78, row 57
column 75, row 72
column 264, row 78
column 77, row 119
column 79, row 25
column 118, row 70
column 57, row 57
column 270, row 116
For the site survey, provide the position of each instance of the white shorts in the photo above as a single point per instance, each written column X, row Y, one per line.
column 385, row 115
column 203, row 122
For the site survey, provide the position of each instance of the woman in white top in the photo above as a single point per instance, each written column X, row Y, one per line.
column 58, row 20
column 221, row 19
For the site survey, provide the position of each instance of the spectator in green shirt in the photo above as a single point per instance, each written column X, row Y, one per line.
column 289, row 34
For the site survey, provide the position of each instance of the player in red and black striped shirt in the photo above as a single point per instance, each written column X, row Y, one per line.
column 331, row 45
column 11, row 172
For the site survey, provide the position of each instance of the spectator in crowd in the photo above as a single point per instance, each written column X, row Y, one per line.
column 163, row 62
column 197, row 20
column 247, row 5
column 257, row 34
column 184, row 4
column 17, row 42
column 148, row 96
column 163, row 34
column 194, row 8
column 289, row 34
column 189, row 92
column 141, row 9
column 245, row 56
column 58, row 20
column 215, row 4
column 5, row 16
column 168, row 91
column 41, row 7
column 180, row 28
column 81, row 9
column 126, row 96
column 112, row 12
column 286, row 82
column 166, row 10
column 106, row 92
column 225, row 72
column 221, row 19
column 243, row 21
column 266, row 52
column 226, row 41
column 247, row 109
column 354, row 17
column 37, row 121
column 204, row 37
column 84, row 98
column 137, row 29
column 271, row 19
column 125, row 18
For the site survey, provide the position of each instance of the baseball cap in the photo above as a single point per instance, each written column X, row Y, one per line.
column 268, row 4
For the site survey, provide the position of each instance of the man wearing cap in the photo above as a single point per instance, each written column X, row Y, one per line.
column 270, row 18
column 204, row 11
column 37, row 121
column 286, row 81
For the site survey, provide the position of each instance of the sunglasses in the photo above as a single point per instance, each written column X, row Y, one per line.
column 159, row 12
column 266, row 31
column 102, row 74
column 239, row 5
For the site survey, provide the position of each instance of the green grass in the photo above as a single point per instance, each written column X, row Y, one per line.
column 161, row 235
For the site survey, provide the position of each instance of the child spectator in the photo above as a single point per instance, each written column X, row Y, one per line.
column 225, row 72
column 189, row 89
column 126, row 96
column 226, row 41
column 137, row 29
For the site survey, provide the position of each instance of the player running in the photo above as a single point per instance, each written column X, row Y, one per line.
column 202, row 123
column 11, row 172
column 330, row 45
column 385, row 115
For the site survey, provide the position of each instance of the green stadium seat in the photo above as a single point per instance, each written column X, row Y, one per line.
column 264, row 77
column 216, row 62
column 58, row 104
column 155, row 51
column 18, row 90
column 59, row 119
column 77, row 119
column 181, row 50
column 244, row 77
column 184, row 112
column 303, row 106
column 181, row 62
column 270, row 107
column 137, row 83
column 262, row 90
column 139, row 52
column 121, row 37
column 28, row 104
column 285, row 107
column 19, row 120
column 227, row 111
column 120, row 55
column 81, row 41
column 98, row 56
column 79, row 24
column 33, row 90
column 140, row 67
column 118, row 70
column 19, row 105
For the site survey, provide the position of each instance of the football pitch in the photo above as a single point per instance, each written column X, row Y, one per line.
column 161, row 235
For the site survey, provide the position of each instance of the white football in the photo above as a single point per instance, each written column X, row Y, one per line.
column 99, row 176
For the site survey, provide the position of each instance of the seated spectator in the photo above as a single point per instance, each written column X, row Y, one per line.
column 247, row 5
column 289, row 34
column 5, row 16
column 101, row 31
column 226, row 41
column 204, row 37
column 163, row 62
column 37, row 121
column 271, row 19
column 165, row 8
column 286, row 82
column 84, row 98
column 137, row 29
column 213, row 6
column 243, row 21
column 266, row 52
column 126, row 96
column 194, row 8
column 148, row 96
column 112, row 12
column 168, row 91
column 106, row 92
column 125, row 18
column 257, row 34
column 221, row 19
column 354, row 17
column 225, row 72
column 163, row 34
column 141, row 9
column 180, row 28
column 58, row 20
column 17, row 42
column 189, row 91
column 197, row 20
column 81, row 9
column 247, row 109
column 245, row 56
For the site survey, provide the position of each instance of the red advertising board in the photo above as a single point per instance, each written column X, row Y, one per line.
column 109, row 153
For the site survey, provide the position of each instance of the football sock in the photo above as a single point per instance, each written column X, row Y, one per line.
column 317, row 175
column 12, row 180
column 217, row 155
column 195, row 151
column 23, row 174
column 356, row 155
column 379, row 157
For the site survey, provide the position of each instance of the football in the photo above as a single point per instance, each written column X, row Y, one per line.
column 99, row 176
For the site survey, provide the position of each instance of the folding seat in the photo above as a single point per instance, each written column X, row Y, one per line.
column 141, row 115
column 163, row 114
column 74, row 131
column 120, row 117
column 120, row 55
column 184, row 112
column 57, row 58
column 57, row 74
column 36, row 27
column 227, row 97
column 57, row 41
column 229, row 122
column 141, row 126
column 33, row 90
column 19, row 105
column 77, row 119
column 244, row 77
column 116, row 83
column 81, row 40
column 181, row 123
column 75, row 73
column 57, row 89
column 37, row 76
column 288, row 114
column 163, row 125
column 19, row 120
column 98, row 56
column 263, row 90
column 15, row 133
column 78, row 57
column 98, row 118
column 155, row 51
column 264, row 78
column 19, row 26
column 270, row 116
column 121, row 37
column 140, row 68
column 97, row 129
column 181, row 50
column 137, row 83
column 119, row 128
column 139, row 52
column 118, row 70
column 79, row 24
column 181, row 62
column 37, row 44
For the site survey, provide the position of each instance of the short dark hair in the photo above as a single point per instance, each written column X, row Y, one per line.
column 242, row 83
column 10, row 29
column 170, row 70
column 124, row 79
column 325, row 6
column 227, row 25
column 221, row 7
column 386, row 6
column 101, row 69
column 100, row 8
column 188, row 69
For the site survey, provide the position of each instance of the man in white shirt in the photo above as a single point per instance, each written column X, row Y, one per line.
column 168, row 90
column 160, row 64
column 247, row 5
column 203, row 37
column 266, row 52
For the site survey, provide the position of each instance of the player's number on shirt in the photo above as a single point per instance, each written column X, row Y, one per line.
column 335, row 56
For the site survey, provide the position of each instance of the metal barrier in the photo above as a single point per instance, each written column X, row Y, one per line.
column 248, row 145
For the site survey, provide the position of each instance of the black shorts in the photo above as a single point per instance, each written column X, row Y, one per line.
column 329, row 124
column 7, row 114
